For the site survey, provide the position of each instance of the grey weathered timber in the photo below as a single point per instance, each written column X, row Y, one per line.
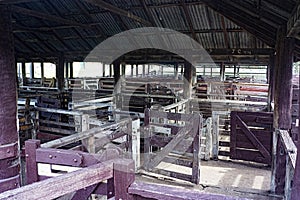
column 248, row 142
column 169, row 147
column 188, row 77
column 61, row 185
column 290, row 152
column 8, row 103
column 60, row 69
column 123, row 177
column 31, row 165
column 83, row 135
column 154, row 191
column 177, row 143
column 283, row 103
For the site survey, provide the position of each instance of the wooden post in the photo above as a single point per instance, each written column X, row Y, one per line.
column 144, row 70
column 271, row 81
column 89, row 143
column 215, row 135
column 31, row 165
column 123, row 178
column 295, row 193
column 137, row 70
column 110, row 70
column 222, row 71
column 282, row 112
column 123, row 65
column 9, row 157
column 136, row 142
column 188, row 76
column 132, row 70
column 176, row 71
column 149, row 69
column 60, row 72
column 31, row 70
column 42, row 73
column 24, row 73
column 71, row 70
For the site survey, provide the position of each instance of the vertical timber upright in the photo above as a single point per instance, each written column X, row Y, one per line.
column 9, row 154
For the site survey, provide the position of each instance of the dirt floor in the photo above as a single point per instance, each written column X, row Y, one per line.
column 242, row 180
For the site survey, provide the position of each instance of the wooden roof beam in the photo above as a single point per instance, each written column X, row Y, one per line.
column 107, row 6
column 33, row 13
column 293, row 25
column 189, row 20
column 15, row 1
column 145, row 8
column 226, row 38
column 254, row 26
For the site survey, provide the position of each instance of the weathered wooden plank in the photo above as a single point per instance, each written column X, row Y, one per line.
column 255, row 156
column 31, row 164
column 123, row 177
column 233, row 133
column 197, row 132
column 178, row 161
column 155, row 191
column 59, row 111
column 170, row 116
column 173, row 174
column 56, row 130
column 58, row 123
column 169, row 147
column 61, row 185
column 83, row 135
column 184, row 146
column 253, row 139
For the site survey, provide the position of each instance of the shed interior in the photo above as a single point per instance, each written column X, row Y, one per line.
column 142, row 99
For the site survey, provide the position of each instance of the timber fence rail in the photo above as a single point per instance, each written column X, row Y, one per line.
column 290, row 151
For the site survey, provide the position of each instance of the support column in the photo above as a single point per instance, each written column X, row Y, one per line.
column 31, row 70
column 132, row 68
column 222, row 71
column 148, row 72
column 176, row 71
column 144, row 70
column 24, row 73
column 60, row 73
column 117, row 84
column 271, row 81
column 110, row 70
column 117, row 74
column 42, row 73
column 71, row 70
column 123, row 69
column 188, row 77
column 282, row 108
column 9, row 157
column 137, row 70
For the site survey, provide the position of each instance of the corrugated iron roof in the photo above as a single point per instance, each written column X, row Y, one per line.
column 212, row 30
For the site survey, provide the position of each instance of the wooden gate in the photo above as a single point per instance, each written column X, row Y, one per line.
column 251, row 136
column 173, row 139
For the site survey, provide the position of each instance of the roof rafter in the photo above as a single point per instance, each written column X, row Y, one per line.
column 255, row 11
column 145, row 8
column 75, row 30
column 15, row 1
column 254, row 26
column 87, row 14
column 226, row 38
column 189, row 20
column 293, row 25
column 33, row 13
column 107, row 6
